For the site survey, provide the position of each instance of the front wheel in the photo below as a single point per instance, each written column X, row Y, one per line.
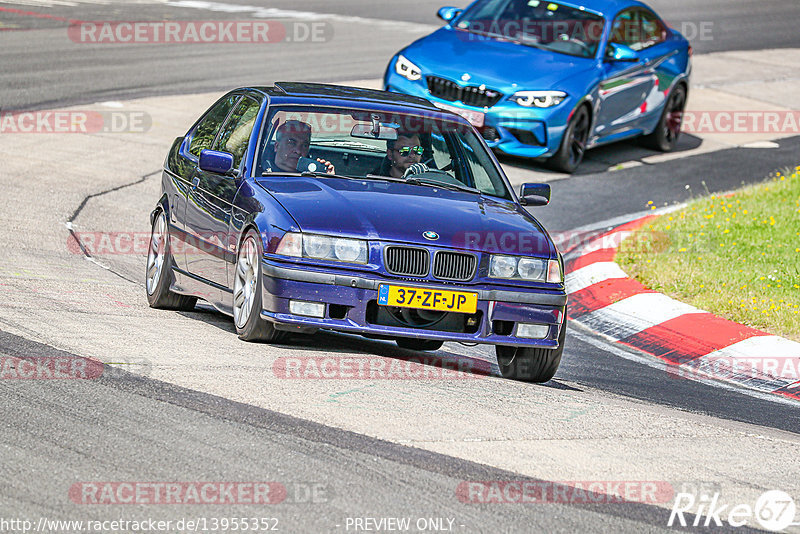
column 573, row 145
column 665, row 136
column 531, row 364
column 247, row 293
column 158, row 276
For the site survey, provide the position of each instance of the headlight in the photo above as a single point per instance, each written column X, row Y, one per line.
column 406, row 69
column 317, row 246
column 522, row 268
column 539, row 99
column 322, row 247
column 502, row 267
column 531, row 269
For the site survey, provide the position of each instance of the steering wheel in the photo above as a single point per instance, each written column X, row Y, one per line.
column 564, row 38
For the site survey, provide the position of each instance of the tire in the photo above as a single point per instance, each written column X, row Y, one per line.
column 158, row 272
column 418, row 344
column 247, row 293
column 665, row 136
column 573, row 145
column 530, row 364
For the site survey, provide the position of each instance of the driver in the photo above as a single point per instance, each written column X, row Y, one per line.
column 292, row 141
column 403, row 152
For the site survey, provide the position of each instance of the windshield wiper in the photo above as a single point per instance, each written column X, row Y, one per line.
column 383, row 178
column 321, row 174
column 444, row 185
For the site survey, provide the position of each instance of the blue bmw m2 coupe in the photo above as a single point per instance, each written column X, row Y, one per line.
column 551, row 79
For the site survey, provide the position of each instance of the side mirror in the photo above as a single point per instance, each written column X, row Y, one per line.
column 534, row 194
column 448, row 13
column 618, row 52
column 216, row 162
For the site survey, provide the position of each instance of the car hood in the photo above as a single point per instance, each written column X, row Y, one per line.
column 399, row 212
column 498, row 63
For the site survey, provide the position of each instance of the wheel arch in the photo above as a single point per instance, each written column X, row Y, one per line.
column 161, row 205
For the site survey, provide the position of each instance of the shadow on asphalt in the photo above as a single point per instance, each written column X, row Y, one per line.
column 601, row 159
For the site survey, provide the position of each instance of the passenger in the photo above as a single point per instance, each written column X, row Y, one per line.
column 292, row 141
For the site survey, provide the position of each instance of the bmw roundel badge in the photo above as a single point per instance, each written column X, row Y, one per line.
column 431, row 236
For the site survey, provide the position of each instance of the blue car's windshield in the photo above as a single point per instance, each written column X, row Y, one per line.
column 422, row 150
column 547, row 25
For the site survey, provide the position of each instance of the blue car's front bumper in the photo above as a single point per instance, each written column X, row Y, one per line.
column 354, row 297
column 508, row 127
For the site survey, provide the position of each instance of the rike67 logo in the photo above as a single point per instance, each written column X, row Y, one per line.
column 774, row 511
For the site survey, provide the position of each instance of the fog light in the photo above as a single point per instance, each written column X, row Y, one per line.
column 533, row 331
column 309, row 309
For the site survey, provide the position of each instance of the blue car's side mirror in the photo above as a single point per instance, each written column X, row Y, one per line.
column 448, row 13
column 216, row 162
column 618, row 52
column 534, row 194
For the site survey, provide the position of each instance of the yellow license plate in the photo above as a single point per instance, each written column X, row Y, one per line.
column 427, row 299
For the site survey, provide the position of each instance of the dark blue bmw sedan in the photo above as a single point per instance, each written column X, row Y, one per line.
column 552, row 79
column 301, row 207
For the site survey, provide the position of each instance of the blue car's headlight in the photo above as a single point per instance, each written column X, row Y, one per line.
column 539, row 99
column 323, row 247
column 522, row 268
column 406, row 69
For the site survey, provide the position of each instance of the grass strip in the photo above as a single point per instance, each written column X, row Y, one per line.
column 734, row 255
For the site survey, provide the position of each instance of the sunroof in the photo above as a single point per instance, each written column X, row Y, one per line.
column 342, row 91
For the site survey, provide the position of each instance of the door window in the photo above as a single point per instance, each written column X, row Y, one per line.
column 206, row 131
column 637, row 29
column 235, row 135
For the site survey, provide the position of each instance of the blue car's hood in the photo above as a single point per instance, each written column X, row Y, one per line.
column 497, row 63
column 401, row 212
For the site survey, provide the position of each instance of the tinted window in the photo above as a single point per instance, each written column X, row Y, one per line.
column 637, row 29
column 235, row 135
column 653, row 31
column 623, row 30
column 207, row 129
column 536, row 23
column 451, row 152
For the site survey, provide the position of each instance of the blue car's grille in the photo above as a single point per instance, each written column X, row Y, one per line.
column 407, row 261
column 454, row 266
column 471, row 95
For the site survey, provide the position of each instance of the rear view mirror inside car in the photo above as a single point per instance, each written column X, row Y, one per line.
column 374, row 131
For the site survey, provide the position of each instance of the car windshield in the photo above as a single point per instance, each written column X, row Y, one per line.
column 547, row 25
column 427, row 151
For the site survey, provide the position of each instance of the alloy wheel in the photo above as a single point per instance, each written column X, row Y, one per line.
column 244, row 285
column 674, row 117
column 580, row 133
column 157, row 253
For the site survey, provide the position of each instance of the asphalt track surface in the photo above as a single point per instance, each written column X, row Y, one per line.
column 130, row 427
column 40, row 71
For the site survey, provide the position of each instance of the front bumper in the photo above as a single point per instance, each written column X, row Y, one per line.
column 508, row 127
column 354, row 299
